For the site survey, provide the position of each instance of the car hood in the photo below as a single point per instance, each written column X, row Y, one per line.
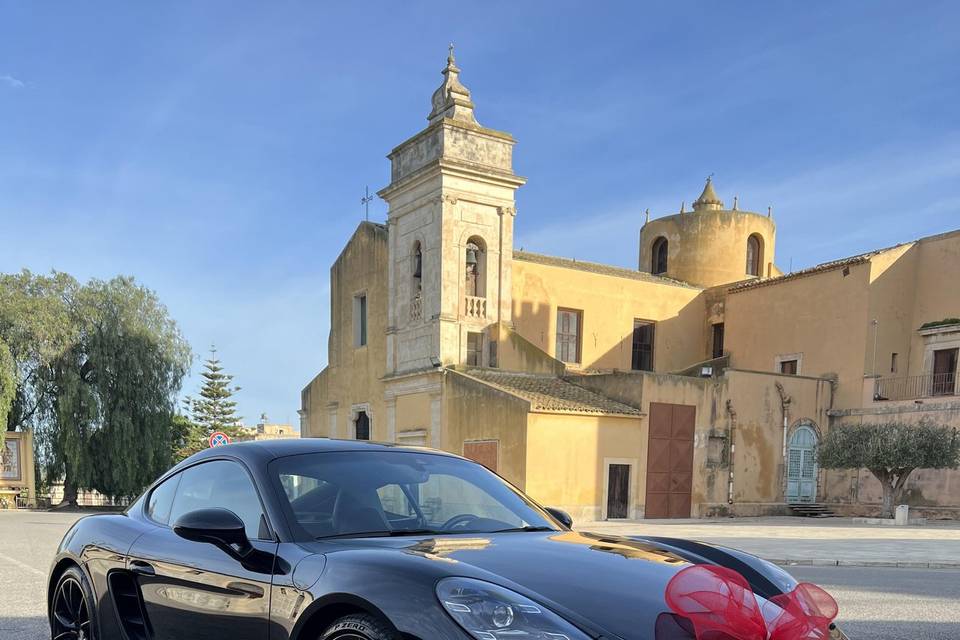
column 615, row 583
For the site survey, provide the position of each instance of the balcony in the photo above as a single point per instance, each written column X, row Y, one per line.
column 931, row 385
column 475, row 307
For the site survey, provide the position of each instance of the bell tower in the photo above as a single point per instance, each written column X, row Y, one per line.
column 450, row 221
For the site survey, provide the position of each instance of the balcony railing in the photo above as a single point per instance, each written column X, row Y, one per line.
column 915, row 387
column 475, row 307
column 416, row 308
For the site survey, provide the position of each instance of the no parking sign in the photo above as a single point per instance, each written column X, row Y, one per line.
column 219, row 439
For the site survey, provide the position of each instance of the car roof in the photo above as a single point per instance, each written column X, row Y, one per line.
column 261, row 451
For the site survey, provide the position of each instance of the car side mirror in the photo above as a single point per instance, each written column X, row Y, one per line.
column 220, row 527
column 561, row 516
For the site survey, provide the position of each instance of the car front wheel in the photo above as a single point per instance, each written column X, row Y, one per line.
column 72, row 616
column 359, row 627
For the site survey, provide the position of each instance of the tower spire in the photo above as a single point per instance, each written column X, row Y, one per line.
column 452, row 99
column 708, row 200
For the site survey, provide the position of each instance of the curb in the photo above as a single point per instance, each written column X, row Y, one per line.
column 862, row 563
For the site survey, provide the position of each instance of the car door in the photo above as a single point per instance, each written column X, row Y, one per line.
column 195, row 589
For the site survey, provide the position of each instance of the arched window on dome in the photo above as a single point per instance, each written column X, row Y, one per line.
column 659, row 251
column 754, row 255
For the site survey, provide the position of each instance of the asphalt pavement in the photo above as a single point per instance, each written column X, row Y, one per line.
column 876, row 603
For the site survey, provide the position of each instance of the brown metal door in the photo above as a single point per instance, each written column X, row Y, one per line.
column 486, row 452
column 618, row 491
column 670, row 460
column 944, row 372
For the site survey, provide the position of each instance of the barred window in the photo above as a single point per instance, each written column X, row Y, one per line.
column 568, row 335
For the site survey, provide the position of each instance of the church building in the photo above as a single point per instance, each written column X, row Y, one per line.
column 697, row 384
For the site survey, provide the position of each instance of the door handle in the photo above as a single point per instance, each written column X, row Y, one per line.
column 141, row 568
column 249, row 590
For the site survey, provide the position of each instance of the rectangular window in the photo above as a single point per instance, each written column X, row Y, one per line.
column 642, row 346
column 568, row 335
column 360, row 320
column 474, row 349
column 718, row 340
column 788, row 367
column 893, row 362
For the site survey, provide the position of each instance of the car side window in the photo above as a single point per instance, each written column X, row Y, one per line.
column 161, row 500
column 221, row 484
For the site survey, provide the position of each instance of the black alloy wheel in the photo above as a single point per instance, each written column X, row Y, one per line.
column 71, row 615
column 359, row 627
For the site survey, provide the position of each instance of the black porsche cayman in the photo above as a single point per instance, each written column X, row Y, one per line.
column 322, row 539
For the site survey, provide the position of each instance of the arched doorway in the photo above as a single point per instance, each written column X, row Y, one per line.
column 802, row 465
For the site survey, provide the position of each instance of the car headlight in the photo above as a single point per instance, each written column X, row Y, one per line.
column 487, row 611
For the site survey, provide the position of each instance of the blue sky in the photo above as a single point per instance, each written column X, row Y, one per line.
column 218, row 150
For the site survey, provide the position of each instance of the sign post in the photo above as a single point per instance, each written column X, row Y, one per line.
column 219, row 439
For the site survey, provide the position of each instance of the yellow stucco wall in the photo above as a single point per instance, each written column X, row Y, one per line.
column 708, row 248
column 610, row 304
column 821, row 317
column 353, row 375
column 413, row 413
column 937, row 292
column 743, row 405
column 473, row 410
column 567, row 456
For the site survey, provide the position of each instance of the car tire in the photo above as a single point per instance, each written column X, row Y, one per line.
column 73, row 605
column 360, row 627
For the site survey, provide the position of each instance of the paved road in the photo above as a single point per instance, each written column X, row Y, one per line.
column 875, row 603
column 892, row 604
column 808, row 540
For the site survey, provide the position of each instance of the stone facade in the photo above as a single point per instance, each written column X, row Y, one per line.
column 443, row 335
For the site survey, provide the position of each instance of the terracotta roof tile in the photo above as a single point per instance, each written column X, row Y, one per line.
column 594, row 267
column 825, row 266
column 547, row 393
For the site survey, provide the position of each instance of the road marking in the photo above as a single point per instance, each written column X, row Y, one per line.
column 26, row 567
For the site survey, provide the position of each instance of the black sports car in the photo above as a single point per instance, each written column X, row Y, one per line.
column 320, row 539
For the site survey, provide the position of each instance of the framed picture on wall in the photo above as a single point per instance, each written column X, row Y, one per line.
column 10, row 460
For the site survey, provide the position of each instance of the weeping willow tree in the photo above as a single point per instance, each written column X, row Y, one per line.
column 98, row 379
column 8, row 385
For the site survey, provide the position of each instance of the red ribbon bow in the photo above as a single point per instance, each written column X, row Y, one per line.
column 722, row 606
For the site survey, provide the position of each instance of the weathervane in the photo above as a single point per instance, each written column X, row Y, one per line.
column 365, row 201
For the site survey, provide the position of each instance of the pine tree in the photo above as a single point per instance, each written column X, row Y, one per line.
column 215, row 410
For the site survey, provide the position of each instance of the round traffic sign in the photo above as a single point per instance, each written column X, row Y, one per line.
column 219, row 439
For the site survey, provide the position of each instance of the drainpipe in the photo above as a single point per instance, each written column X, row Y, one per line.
column 785, row 401
column 733, row 448
column 876, row 331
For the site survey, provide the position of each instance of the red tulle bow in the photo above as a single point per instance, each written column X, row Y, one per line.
column 806, row 614
column 722, row 606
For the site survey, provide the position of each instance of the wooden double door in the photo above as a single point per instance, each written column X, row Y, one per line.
column 670, row 460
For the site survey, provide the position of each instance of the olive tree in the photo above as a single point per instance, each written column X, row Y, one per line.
column 891, row 452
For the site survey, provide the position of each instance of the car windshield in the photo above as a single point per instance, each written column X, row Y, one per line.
column 387, row 493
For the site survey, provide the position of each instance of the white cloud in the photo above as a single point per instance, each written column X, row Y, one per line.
column 12, row 82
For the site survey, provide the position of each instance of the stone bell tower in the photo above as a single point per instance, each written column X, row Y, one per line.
column 451, row 210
